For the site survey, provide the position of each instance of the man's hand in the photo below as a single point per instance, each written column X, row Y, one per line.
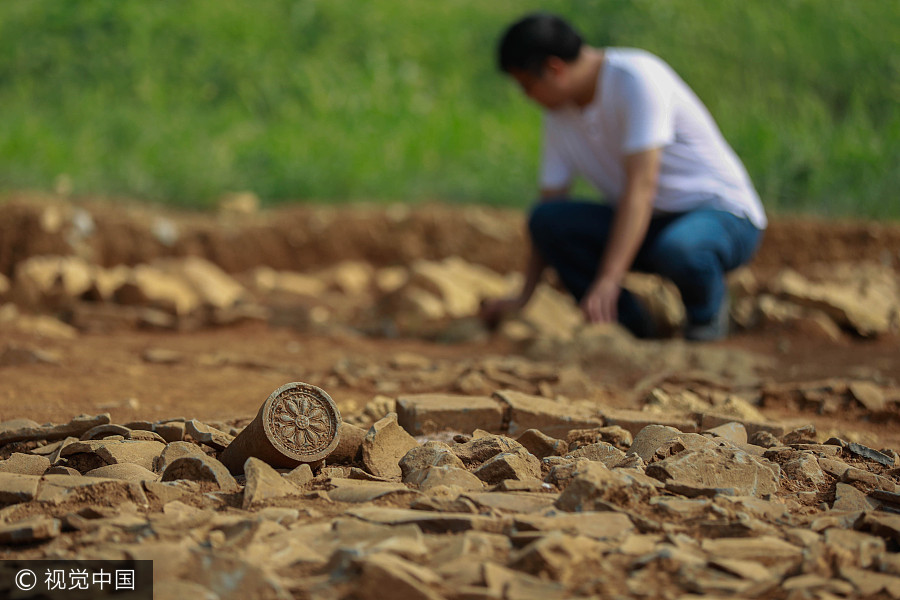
column 599, row 305
column 494, row 310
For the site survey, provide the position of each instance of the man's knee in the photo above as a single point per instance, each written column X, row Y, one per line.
column 543, row 220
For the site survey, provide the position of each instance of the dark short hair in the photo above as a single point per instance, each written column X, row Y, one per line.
column 531, row 40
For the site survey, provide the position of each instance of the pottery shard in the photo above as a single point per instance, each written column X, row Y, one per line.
column 349, row 445
column 75, row 427
column 480, row 449
column 445, row 475
column 264, row 483
column 30, row 531
column 594, row 487
column 426, row 413
column 176, row 450
column 25, row 464
column 15, row 488
column 384, row 445
column 767, row 550
column 552, row 418
column 202, row 469
column 520, row 466
column 126, row 471
column 92, row 454
column 542, row 445
column 208, row 435
column 430, row 454
column 719, row 467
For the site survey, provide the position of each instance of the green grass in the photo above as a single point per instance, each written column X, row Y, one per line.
column 388, row 100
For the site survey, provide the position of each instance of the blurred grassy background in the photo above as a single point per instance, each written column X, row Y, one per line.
column 390, row 100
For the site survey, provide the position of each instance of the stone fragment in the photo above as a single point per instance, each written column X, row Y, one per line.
column 25, row 464
column 17, row 487
column 264, row 483
column 430, row 454
column 208, row 435
column 429, row 522
column 175, row 450
column 557, row 556
column 763, row 439
column 542, row 445
column 860, row 305
column 869, row 454
column 428, row 413
column 30, row 531
column 300, row 475
column 804, row 469
column 509, row 465
column 718, row 468
column 384, row 445
column 608, row 454
column 446, row 475
column 868, row 584
column 61, row 470
column 359, row 491
column 594, row 487
column 832, row 466
column 734, row 432
column 753, row 426
column 481, row 449
column 635, row 420
column 613, row 434
column 868, row 395
column 92, row 454
column 775, row 553
column 881, row 524
column 214, row 288
column 126, row 471
column 203, row 469
column 349, row 445
column 152, row 287
column 596, row 525
column 380, row 572
column 863, row 549
column 651, row 438
column 169, row 491
column 869, row 480
column 551, row 418
column 56, row 489
column 75, row 427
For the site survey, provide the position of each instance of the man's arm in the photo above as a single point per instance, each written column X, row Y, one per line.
column 628, row 231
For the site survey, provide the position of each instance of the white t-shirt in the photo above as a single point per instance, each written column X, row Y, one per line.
column 643, row 104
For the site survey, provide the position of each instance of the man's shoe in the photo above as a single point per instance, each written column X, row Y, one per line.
column 716, row 329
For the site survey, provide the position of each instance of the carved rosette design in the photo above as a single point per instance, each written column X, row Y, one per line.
column 303, row 423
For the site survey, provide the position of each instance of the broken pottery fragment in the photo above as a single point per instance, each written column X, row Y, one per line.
column 298, row 423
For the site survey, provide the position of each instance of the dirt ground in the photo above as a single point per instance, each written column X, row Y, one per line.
column 225, row 372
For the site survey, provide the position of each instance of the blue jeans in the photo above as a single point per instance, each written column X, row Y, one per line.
column 694, row 249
